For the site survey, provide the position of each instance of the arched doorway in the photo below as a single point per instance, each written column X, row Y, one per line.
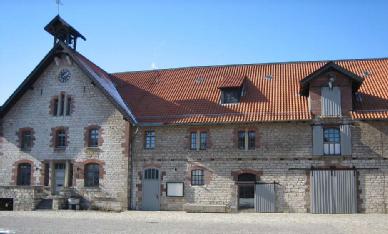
column 246, row 190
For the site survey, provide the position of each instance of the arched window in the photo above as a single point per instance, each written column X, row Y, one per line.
column 197, row 177
column 92, row 175
column 24, row 174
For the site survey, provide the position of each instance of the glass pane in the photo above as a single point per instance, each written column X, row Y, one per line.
column 193, row 141
column 203, row 140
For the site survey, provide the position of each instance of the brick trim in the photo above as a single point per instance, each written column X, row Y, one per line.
column 87, row 132
column 19, row 135
column 238, row 172
column 53, row 134
column 15, row 167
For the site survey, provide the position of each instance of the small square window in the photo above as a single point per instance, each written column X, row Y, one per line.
column 331, row 141
column 149, row 141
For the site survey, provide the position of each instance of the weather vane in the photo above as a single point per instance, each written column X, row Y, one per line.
column 58, row 2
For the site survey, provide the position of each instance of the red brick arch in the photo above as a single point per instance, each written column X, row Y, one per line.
column 238, row 172
column 15, row 171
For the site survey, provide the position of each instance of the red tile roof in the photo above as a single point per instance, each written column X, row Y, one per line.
column 176, row 95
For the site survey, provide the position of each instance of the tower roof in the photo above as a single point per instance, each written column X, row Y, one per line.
column 59, row 27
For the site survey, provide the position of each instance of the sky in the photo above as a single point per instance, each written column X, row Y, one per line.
column 124, row 35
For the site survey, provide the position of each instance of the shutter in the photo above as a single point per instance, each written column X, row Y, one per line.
column 331, row 101
column 317, row 140
column 346, row 140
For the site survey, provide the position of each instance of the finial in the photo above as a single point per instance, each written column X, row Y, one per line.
column 58, row 2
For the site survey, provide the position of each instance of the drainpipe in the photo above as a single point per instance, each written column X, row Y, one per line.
column 133, row 171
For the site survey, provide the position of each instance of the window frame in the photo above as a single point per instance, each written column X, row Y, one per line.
column 251, row 140
column 90, row 178
column 59, row 134
column 93, row 142
column 24, row 144
column 203, row 140
column 241, row 139
column 149, row 139
column 231, row 95
column 193, row 140
column 331, row 140
column 197, row 179
column 20, row 178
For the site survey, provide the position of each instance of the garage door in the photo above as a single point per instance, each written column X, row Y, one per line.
column 265, row 197
column 333, row 192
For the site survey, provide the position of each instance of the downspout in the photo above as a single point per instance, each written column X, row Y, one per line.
column 133, row 172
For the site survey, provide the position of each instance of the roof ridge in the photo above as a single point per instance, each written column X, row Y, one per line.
column 250, row 64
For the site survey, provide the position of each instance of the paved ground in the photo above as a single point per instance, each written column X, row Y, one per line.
column 180, row 222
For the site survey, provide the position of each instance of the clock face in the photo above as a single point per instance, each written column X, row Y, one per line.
column 64, row 75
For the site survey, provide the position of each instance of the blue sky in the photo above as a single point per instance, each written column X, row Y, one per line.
column 137, row 35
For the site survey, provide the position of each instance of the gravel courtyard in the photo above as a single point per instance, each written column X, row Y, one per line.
column 181, row 222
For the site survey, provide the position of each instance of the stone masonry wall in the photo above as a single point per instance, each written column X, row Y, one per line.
column 281, row 147
column 89, row 107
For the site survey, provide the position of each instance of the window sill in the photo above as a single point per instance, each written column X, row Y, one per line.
column 59, row 149
column 25, row 150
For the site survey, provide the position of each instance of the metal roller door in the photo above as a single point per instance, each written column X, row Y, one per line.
column 333, row 192
column 265, row 197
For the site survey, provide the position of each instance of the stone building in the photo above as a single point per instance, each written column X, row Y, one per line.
column 277, row 137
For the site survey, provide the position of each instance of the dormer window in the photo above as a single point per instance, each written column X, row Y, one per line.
column 232, row 89
column 230, row 95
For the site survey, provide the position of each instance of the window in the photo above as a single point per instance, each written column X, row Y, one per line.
column 203, row 140
column 198, row 140
column 230, row 95
column 93, row 137
column 331, row 141
column 246, row 139
column 62, row 105
column 193, row 140
column 26, row 139
column 251, row 139
column 92, row 175
column 55, row 108
column 68, row 106
column 24, row 174
column 149, row 140
column 197, row 177
column 60, row 139
column 241, row 139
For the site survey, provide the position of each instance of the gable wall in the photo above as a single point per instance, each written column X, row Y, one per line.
column 91, row 107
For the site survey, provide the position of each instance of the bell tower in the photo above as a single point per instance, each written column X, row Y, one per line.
column 64, row 32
